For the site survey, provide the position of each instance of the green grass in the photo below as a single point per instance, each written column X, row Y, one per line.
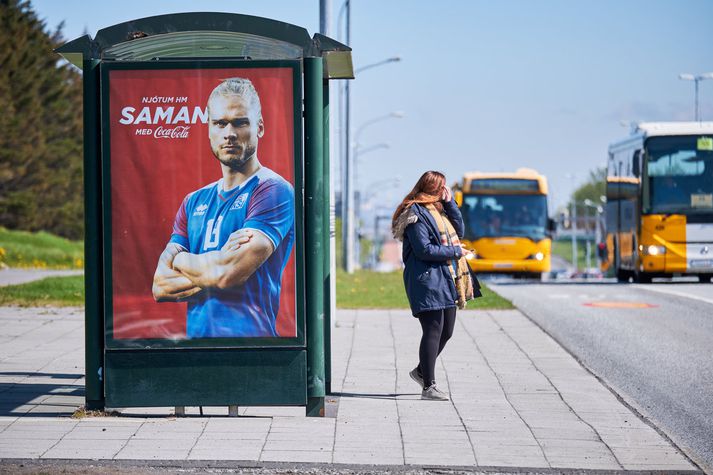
column 563, row 248
column 363, row 289
column 52, row 291
column 366, row 289
column 41, row 250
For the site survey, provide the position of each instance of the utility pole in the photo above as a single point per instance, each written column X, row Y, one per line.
column 348, row 225
column 588, row 248
column 573, row 229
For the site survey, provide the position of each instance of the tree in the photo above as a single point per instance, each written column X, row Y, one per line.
column 594, row 188
column 41, row 124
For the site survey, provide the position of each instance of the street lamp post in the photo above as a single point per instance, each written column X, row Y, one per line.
column 349, row 209
column 597, row 228
column 358, row 200
column 573, row 229
column 696, row 78
column 369, row 192
column 348, row 230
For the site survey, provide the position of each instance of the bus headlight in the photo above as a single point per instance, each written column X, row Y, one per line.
column 652, row 250
column 538, row 256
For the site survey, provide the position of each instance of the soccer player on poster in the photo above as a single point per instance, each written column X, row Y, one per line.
column 232, row 238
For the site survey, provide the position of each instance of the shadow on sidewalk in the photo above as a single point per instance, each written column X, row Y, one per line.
column 37, row 395
column 374, row 395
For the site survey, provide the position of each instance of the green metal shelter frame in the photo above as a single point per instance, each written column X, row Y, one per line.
column 155, row 376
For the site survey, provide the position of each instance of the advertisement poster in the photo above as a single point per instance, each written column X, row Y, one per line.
column 202, row 202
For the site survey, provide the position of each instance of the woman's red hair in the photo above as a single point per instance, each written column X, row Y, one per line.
column 428, row 190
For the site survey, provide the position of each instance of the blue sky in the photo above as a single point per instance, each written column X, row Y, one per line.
column 488, row 85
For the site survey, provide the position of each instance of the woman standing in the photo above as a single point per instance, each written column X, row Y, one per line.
column 436, row 273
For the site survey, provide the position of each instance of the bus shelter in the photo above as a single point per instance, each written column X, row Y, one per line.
column 206, row 165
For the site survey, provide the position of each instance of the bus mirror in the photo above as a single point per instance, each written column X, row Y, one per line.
column 551, row 225
column 636, row 165
column 458, row 195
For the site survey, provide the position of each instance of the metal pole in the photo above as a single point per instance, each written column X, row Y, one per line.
column 348, row 231
column 598, row 235
column 327, row 240
column 588, row 248
column 374, row 256
column 314, row 242
column 573, row 229
column 330, row 303
column 698, row 111
column 357, row 226
column 325, row 15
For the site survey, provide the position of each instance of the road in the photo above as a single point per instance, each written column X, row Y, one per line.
column 652, row 344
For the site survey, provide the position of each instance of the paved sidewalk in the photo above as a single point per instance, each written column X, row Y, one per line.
column 518, row 401
column 13, row 276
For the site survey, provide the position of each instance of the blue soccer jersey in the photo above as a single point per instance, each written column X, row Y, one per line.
column 265, row 202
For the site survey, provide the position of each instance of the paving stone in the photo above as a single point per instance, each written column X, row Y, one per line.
column 505, row 460
column 80, row 453
column 135, row 454
column 225, row 453
column 312, row 456
column 514, row 392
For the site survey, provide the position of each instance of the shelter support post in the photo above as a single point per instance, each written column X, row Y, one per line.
column 314, row 237
column 93, row 272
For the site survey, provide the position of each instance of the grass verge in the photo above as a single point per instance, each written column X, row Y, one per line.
column 40, row 250
column 52, row 291
column 363, row 289
column 366, row 289
column 563, row 249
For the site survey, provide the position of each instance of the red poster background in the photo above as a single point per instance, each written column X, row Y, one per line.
column 151, row 176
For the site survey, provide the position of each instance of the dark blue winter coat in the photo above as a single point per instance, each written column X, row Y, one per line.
column 427, row 278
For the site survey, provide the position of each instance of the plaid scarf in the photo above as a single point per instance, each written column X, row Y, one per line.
column 460, row 271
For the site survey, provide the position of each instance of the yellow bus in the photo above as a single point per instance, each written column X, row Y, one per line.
column 506, row 222
column 659, row 213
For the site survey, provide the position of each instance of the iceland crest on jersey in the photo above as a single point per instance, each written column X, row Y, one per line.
column 240, row 201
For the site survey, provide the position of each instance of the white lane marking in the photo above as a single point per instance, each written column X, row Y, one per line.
column 673, row 292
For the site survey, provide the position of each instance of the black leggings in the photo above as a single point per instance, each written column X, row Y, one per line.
column 437, row 328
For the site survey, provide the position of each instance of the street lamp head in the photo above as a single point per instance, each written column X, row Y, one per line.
column 687, row 77
column 398, row 114
column 394, row 59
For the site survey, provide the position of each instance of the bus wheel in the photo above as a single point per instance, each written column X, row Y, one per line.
column 705, row 279
column 642, row 278
column 622, row 275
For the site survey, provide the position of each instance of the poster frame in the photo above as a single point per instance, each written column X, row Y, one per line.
column 299, row 340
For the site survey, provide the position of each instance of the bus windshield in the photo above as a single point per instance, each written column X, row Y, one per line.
column 679, row 175
column 504, row 215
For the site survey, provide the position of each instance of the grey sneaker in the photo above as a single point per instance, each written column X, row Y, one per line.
column 416, row 376
column 432, row 393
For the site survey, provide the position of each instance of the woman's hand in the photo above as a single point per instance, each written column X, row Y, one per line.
column 446, row 195
column 467, row 253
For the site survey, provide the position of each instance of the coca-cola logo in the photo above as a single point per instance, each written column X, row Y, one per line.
column 162, row 122
column 178, row 132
